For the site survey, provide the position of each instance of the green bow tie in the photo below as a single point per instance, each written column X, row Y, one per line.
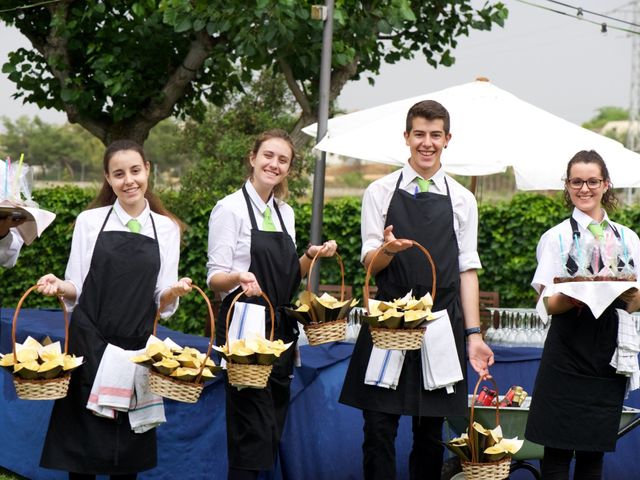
column 423, row 184
column 267, row 222
column 134, row 225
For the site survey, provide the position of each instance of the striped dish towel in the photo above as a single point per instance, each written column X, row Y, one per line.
column 384, row 368
column 122, row 386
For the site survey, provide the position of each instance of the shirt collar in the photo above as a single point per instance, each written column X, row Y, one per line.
column 125, row 217
column 409, row 175
column 257, row 200
column 584, row 220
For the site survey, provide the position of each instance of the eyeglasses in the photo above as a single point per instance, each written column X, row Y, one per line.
column 577, row 183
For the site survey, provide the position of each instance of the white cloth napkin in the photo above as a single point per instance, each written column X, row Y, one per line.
column 247, row 321
column 596, row 295
column 121, row 385
column 440, row 363
column 384, row 368
column 625, row 357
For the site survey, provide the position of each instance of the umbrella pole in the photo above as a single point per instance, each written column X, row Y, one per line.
column 474, row 184
column 323, row 119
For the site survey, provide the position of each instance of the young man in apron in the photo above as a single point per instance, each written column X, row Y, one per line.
column 420, row 203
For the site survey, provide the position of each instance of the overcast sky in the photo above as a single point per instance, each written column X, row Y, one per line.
column 556, row 62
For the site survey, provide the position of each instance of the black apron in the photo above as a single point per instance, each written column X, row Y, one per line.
column 116, row 306
column 428, row 219
column 577, row 397
column 255, row 417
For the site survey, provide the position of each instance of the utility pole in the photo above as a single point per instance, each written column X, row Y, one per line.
column 633, row 140
column 317, row 203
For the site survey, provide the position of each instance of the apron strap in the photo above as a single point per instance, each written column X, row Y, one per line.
column 252, row 215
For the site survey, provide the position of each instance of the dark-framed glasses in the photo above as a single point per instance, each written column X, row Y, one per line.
column 577, row 183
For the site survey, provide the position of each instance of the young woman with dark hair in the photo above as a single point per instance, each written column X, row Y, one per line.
column 577, row 402
column 122, row 268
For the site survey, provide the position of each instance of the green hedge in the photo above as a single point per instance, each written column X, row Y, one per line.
column 509, row 232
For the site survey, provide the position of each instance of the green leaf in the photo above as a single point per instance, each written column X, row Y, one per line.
column 183, row 25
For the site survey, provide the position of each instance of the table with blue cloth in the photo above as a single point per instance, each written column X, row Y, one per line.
column 322, row 438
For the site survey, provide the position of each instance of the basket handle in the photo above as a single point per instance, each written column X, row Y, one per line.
column 15, row 320
column 340, row 263
column 375, row 255
column 233, row 302
column 474, row 455
column 211, row 322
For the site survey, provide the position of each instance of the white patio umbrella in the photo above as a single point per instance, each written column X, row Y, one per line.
column 491, row 130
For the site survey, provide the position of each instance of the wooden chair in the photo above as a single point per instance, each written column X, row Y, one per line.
column 487, row 299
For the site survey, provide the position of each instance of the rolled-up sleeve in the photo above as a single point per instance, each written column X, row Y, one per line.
column 169, row 261
column 224, row 231
column 82, row 244
column 467, row 219
column 372, row 221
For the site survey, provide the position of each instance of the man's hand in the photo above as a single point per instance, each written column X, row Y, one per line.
column 396, row 245
column 480, row 355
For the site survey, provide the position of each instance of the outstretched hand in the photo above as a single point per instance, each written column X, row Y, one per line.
column 396, row 245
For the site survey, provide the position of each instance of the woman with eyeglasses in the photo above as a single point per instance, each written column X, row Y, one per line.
column 577, row 401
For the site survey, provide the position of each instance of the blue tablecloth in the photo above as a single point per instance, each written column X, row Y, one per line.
column 322, row 438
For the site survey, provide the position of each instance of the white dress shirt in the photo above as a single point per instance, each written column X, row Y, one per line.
column 10, row 248
column 377, row 198
column 548, row 251
column 85, row 234
column 230, row 231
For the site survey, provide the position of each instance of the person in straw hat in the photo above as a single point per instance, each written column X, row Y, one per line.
column 122, row 268
column 252, row 249
column 418, row 202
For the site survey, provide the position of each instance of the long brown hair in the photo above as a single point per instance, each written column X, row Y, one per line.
column 106, row 195
column 609, row 199
column 280, row 191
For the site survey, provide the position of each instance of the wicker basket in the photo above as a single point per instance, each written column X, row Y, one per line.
column 244, row 374
column 165, row 386
column 474, row 470
column 397, row 338
column 325, row 332
column 49, row 389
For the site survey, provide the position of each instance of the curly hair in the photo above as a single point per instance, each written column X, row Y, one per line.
column 609, row 199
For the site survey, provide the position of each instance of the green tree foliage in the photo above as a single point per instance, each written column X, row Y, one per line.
column 281, row 33
column 165, row 149
column 64, row 151
column 119, row 67
column 219, row 145
column 114, row 66
column 605, row 115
